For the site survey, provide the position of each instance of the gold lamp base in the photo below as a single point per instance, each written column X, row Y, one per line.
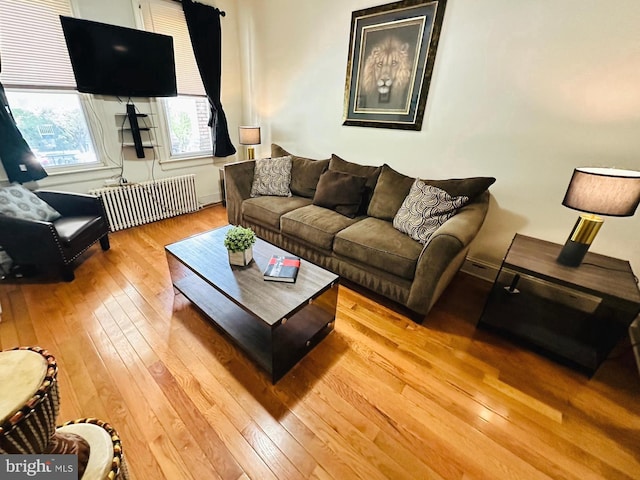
column 251, row 153
column 580, row 239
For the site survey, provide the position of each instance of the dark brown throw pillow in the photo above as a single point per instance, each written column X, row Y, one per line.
column 305, row 172
column 467, row 187
column 340, row 192
column 371, row 173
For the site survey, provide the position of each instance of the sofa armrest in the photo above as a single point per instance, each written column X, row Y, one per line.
column 72, row 204
column 445, row 252
column 238, row 178
column 18, row 237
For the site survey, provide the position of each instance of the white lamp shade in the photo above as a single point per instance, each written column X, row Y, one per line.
column 604, row 191
column 249, row 135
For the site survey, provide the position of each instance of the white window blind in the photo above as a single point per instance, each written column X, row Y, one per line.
column 32, row 47
column 166, row 17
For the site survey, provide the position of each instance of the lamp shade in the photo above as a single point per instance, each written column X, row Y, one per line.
column 249, row 135
column 604, row 191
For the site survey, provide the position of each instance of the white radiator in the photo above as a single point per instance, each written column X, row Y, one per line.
column 138, row 203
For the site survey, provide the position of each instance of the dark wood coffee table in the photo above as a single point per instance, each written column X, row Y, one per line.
column 274, row 323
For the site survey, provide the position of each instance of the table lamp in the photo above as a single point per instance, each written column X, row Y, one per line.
column 597, row 191
column 249, row 136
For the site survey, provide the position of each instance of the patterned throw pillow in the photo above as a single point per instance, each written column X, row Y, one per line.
column 425, row 209
column 16, row 201
column 272, row 176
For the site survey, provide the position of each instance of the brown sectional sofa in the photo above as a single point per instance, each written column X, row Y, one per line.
column 366, row 249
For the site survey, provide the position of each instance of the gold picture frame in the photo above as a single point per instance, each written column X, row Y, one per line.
column 392, row 50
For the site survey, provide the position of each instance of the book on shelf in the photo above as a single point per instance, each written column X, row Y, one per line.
column 282, row 268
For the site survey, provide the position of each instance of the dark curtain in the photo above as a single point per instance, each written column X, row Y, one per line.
column 18, row 160
column 205, row 31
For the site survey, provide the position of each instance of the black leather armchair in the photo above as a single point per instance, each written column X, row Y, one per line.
column 58, row 243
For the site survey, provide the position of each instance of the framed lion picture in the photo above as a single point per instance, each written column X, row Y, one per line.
column 392, row 49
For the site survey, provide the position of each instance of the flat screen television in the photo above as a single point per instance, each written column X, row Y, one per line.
column 119, row 61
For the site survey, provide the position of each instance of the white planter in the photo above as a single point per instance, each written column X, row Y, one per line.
column 241, row 259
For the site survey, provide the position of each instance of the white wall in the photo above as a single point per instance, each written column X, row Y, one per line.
column 103, row 110
column 523, row 91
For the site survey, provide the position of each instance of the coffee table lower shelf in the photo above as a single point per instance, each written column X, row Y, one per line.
column 275, row 348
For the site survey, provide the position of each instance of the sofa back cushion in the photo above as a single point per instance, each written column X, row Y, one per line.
column 469, row 187
column 305, row 172
column 391, row 190
column 369, row 172
column 393, row 187
column 340, row 192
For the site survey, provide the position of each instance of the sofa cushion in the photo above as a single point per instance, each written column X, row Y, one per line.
column 272, row 176
column 315, row 225
column 340, row 192
column 391, row 190
column 372, row 173
column 425, row 209
column 469, row 187
column 267, row 211
column 18, row 202
column 375, row 242
column 305, row 172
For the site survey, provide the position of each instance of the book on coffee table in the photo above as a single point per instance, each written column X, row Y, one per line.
column 282, row 268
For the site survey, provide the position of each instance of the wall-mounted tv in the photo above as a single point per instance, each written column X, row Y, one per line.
column 119, row 61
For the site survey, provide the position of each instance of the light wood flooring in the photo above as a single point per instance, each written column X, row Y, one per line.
column 381, row 397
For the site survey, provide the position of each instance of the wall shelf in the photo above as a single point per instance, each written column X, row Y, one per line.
column 135, row 129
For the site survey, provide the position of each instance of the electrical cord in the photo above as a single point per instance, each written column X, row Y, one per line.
column 89, row 102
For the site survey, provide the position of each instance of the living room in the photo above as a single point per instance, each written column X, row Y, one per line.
column 523, row 92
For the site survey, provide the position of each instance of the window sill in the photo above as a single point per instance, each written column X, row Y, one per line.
column 72, row 171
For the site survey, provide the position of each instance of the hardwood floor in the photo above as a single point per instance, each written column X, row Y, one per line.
column 381, row 397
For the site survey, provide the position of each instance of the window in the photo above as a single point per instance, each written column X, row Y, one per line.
column 37, row 74
column 188, row 114
column 187, row 118
column 53, row 125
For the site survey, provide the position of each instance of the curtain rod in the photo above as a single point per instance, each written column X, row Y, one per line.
column 222, row 12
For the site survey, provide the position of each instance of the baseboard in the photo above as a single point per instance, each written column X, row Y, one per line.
column 207, row 200
column 480, row 269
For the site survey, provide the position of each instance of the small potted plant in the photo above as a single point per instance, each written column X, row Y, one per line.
column 239, row 242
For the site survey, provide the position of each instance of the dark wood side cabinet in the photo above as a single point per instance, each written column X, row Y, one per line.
column 575, row 315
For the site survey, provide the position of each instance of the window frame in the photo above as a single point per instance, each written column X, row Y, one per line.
column 91, row 121
column 186, row 155
column 164, row 129
column 98, row 149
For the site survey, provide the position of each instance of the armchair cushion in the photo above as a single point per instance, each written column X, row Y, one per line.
column 71, row 229
column 18, row 202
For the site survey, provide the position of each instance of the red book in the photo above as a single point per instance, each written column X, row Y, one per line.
column 282, row 269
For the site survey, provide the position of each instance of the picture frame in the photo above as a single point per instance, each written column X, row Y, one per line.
column 392, row 51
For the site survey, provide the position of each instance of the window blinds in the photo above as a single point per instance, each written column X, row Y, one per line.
column 166, row 17
column 32, row 47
